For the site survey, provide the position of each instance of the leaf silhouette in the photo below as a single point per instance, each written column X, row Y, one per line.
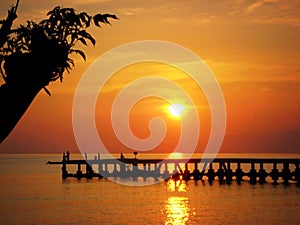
column 81, row 53
column 103, row 18
column 57, row 36
column 47, row 91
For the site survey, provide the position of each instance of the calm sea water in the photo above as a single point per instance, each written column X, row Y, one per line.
column 33, row 193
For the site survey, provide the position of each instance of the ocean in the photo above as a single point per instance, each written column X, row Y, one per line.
column 34, row 193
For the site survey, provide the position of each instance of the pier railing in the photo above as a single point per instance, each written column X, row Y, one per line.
column 285, row 170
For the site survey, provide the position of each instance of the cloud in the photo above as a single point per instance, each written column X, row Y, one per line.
column 131, row 11
column 277, row 12
column 87, row 2
column 284, row 20
column 259, row 3
column 201, row 21
column 253, row 6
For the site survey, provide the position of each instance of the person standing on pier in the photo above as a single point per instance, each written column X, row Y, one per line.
column 68, row 155
column 64, row 157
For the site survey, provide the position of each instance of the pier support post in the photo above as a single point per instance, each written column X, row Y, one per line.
column 253, row 174
column 100, row 170
column 106, row 172
column 89, row 171
column 79, row 172
column 228, row 173
column 211, row 173
column 196, row 173
column 286, row 173
column 144, row 172
column 297, row 174
column 262, row 174
column 64, row 172
column 274, row 174
column 99, row 167
column 166, row 174
column 156, row 173
column 221, row 172
column 186, row 173
column 176, row 174
column 122, row 170
column 135, row 171
column 239, row 173
column 115, row 171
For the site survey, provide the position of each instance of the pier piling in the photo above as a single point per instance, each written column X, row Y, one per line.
column 253, row 174
column 239, row 173
column 297, row 174
column 228, row 173
column 286, row 173
column 262, row 174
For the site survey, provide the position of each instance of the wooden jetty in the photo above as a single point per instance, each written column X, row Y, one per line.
column 213, row 169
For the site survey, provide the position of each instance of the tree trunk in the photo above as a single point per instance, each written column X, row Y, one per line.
column 14, row 101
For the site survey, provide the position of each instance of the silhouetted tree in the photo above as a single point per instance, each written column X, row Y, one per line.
column 36, row 54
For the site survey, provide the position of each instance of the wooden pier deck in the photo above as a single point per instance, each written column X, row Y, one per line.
column 285, row 170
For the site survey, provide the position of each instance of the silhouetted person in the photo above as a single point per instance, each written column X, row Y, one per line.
column 64, row 157
column 68, row 155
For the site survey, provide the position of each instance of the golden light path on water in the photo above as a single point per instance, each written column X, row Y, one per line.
column 177, row 208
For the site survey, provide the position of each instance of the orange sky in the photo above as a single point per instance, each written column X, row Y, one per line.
column 251, row 46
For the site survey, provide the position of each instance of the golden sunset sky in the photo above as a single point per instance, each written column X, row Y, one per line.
column 252, row 47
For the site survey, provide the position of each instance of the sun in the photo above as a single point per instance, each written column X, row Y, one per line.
column 176, row 110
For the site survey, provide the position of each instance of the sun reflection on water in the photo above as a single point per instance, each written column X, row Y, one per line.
column 178, row 185
column 177, row 208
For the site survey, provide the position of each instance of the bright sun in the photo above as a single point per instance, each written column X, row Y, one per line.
column 176, row 110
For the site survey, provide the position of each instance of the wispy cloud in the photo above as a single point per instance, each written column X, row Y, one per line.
column 86, row 2
column 131, row 11
column 271, row 12
column 253, row 6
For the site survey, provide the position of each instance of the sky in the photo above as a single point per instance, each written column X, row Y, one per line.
column 252, row 47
